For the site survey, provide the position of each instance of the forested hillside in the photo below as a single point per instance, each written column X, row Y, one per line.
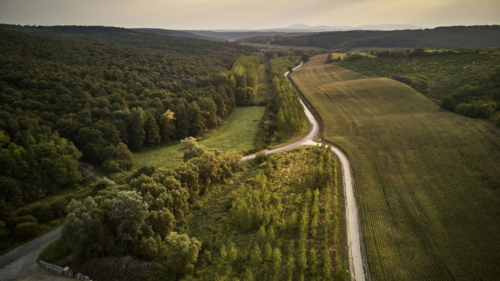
column 179, row 33
column 444, row 37
column 217, row 53
column 62, row 101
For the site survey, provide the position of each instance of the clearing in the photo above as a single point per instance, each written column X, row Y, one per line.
column 426, row 179
column 238, row 133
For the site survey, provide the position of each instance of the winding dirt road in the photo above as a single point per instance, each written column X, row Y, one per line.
column 354, row 235
column 20, row 263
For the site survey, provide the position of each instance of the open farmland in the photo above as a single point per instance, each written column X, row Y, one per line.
column 427, row 180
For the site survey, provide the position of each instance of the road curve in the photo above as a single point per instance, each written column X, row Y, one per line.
column 309, row 137
column 354, row 242
column 14, row 264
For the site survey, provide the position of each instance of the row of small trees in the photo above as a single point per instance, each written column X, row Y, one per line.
column 290, row 116
column 281, row 229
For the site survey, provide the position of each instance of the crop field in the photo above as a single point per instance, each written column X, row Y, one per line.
column 273, row 46
column 238, row 133
column 442, row 74
column 427, row 180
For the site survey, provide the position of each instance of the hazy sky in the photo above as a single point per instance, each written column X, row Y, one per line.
column 249, row 14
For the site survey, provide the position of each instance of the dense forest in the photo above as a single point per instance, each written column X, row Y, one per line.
column 62, row 101
column 219, row 54
column 439, row 37
column 466, row 80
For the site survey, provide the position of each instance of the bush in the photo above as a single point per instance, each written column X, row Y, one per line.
column 59, row 207
column 54, row 252
column 27, row 230
column 260, row 158
column 145, row 170
column 43, row 213
column 111, row 166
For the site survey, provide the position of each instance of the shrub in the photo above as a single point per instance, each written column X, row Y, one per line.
column 27, row 230
column 260, row 158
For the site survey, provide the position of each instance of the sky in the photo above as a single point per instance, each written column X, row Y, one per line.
column 248, row 14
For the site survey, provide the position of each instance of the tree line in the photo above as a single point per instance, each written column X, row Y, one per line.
column 272, row 129
column 444, row 37
column 480, row 99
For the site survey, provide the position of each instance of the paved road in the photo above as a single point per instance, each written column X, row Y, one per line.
column 10, row 268
column 21, row 262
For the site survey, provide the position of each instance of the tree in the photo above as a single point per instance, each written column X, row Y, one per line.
column 277, row 260
column 327, row 263
column 167, row 126
column 232, row 252
column 151, row 129
column 162, row 221
column 153, row 248
column 11, row 192
column 137, row 133
column 129, row 213
column 261, row 235
column 83, row 231
column 302, row 261
column 270, row 234
column 182, row 252
column 290, row 266
column 124, row 157
column 256, row 256
column 305, row 58
column 194, row 119
column 191, row 148
column 268, row 252
column 312, row 261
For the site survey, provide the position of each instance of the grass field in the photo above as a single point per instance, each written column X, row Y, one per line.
column 238, row 133
column 273, row 46
column 427, row 180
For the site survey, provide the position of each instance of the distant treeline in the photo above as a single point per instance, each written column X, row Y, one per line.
column 218, row 54
column 444, row 37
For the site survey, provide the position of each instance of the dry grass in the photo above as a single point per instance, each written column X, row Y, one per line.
column 427, row 180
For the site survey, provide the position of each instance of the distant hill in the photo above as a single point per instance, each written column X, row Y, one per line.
column 444, row 37
column 233, row 35
column 304, row 27
column 179, row 33
column 216, row 51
